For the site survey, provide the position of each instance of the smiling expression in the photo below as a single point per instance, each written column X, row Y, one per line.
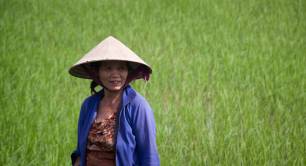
column 113, row 74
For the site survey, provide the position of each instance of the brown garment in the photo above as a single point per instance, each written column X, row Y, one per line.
column 101, row 142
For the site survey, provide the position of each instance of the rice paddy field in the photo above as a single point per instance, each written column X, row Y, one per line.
column 228, row 84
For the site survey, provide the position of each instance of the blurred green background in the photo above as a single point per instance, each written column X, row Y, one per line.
column 228, row 84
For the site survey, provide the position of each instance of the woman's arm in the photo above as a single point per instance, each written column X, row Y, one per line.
column 77, row 162
column 145, row 134
column 75, row 156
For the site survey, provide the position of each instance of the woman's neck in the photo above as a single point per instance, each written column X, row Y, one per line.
column 112, row 97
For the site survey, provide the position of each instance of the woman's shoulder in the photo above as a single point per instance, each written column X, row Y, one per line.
column 91, row 99
column 136, row 98
column 139, row 110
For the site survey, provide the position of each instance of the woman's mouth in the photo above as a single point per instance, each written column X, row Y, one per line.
column 115, row 82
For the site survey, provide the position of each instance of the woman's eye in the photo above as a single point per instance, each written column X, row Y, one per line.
column 122, row 67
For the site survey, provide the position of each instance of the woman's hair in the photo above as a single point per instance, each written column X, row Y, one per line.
column 95, row 66
column 94, row 84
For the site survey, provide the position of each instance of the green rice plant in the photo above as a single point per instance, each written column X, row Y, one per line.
column 228, row 84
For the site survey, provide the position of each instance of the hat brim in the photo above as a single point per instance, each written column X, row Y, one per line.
column 84, row 70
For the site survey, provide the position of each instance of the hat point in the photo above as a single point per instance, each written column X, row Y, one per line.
column 111, row 37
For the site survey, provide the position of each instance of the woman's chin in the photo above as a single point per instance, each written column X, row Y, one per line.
column 114, row 88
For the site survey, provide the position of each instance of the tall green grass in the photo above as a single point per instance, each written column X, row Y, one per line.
column 228, row 84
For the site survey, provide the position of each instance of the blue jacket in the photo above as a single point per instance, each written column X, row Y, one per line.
column 136, row 134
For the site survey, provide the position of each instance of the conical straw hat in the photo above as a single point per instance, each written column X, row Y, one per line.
column 111, row 49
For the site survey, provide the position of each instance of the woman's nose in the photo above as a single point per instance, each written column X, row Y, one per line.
column 115, row 71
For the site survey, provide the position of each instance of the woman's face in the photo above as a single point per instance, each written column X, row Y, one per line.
column 113, row 74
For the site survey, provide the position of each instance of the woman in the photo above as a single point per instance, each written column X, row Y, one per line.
column 116, row 125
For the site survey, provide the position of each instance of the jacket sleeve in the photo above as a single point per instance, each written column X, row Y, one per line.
column 76, row 153
column 145, row 135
